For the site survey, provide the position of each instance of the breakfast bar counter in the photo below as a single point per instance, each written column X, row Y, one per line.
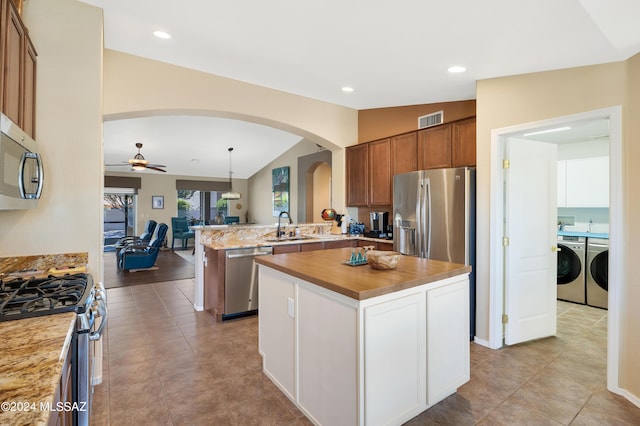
column 326, row 269
column 352, row 345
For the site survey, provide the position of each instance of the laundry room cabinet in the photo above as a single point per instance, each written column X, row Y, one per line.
column 583, row 182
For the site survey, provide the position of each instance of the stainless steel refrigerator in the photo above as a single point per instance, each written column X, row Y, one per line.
column 434, row 216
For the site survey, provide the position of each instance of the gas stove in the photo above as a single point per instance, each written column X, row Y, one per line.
column 32, row 297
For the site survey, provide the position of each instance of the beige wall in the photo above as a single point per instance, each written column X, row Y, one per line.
column 321, row 191
column 378, row 123
column 135, row 86
column 630, row 324
column 260, row 204
column 68, row 38
column 510, row 101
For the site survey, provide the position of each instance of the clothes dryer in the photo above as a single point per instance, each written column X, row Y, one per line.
column 598, row 272
column 571, row 269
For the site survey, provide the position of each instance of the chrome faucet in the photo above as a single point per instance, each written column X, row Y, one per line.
column 282, row 213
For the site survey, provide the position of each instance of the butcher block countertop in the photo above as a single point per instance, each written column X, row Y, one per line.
column 326, row 268
column 32, row 353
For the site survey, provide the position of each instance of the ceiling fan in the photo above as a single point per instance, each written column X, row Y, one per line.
column 139, row 163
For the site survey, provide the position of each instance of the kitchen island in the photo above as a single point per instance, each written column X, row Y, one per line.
column 356, row 346
column 213, row 241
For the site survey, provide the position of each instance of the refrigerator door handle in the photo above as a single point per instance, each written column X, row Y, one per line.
column 427, row 218
column 419, row 222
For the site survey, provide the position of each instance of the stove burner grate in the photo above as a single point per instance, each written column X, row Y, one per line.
column 23, row 298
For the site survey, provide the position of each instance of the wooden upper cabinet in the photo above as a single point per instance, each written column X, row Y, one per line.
column 380, row 176
column 403, row 153
column 13, row 58
column 29, row 94
column 434, row 147
column 357, row 174
column 464, row 143
column 18, row 66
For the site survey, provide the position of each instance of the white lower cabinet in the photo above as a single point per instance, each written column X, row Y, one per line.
column 395, row 360
column 379, row 361
column 448, row 358
column 327, row 356
column 276, row 330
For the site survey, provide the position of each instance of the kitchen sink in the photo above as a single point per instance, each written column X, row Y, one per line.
column 284, row 239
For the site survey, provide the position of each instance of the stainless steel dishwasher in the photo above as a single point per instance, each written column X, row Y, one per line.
column 241, row 281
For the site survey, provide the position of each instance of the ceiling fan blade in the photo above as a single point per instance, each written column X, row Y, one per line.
column 156, row 165
column 155, row 168
column 124, row 163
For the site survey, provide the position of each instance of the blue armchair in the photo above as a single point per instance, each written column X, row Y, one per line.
column 141, row 240
column 140, row 257
column 180, row 231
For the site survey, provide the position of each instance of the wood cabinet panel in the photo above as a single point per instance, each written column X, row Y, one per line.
column 214, row 283
column 380, row 173
column 13, row 65
column 286, row 248
column 18, row 66
column 434, row 147
column 357, row 175
column 377, row 244
column 403, row 153
column 385, row 246
column 311, row 246
column 339, row 244
column 29, row 94
column 464, row 143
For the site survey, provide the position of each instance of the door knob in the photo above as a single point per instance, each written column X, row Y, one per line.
column 555, row 249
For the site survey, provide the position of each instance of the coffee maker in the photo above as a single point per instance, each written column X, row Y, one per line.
column 379, row 225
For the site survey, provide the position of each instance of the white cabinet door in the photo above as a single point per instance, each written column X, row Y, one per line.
column 327, row 357
column 588, row 182
column 562, row 183
column 448, row 340
column 276, row 328
column 395, row 359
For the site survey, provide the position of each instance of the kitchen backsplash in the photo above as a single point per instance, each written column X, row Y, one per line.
column 595, row 219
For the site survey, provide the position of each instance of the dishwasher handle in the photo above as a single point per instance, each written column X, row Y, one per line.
column 238, row 256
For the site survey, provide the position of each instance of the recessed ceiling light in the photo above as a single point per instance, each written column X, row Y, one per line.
column 347, row 89
column 161, row 34
column 456, row 69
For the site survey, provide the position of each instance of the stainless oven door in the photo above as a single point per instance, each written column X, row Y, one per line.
column 84, row 361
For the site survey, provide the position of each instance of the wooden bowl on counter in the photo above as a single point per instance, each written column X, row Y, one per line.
column 383, row 260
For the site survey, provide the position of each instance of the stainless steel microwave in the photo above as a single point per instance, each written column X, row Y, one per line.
column 21, row 172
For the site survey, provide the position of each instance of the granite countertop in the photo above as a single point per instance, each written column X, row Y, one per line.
column 326, row 268
column 583, row 234
column 268, row 242
column 31, row 359
column 41, row 263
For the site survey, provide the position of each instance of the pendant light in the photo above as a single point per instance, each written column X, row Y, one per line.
column 230, row 195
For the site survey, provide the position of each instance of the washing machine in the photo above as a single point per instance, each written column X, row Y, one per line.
column 598, row 272
column 571, row 268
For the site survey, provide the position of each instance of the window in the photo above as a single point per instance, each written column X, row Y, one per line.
column 201, row 206
column 119, row 215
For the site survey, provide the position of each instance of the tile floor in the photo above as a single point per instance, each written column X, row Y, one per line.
column 165, row 364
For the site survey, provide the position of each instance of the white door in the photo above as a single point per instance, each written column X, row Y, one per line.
column 530, row 253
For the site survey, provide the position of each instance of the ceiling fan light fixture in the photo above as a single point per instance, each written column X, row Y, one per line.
column 138, row 167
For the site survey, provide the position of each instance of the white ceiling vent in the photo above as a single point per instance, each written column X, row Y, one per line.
column 432, row 119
